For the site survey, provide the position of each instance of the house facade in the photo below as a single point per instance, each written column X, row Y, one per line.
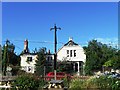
column 74, row 53
column 28, row 60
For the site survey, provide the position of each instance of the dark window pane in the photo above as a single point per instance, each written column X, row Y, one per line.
column 70, row 53
column 29, row 59
column 74, row 53
column 51, row 58
column 48, row 58
column 67, row 53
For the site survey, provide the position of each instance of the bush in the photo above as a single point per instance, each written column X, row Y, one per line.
column 41, row 83
column 90, row 83
column 66, row 81
column 26, row 82
column 116, row 85
column 103, row 82
column 76, row 84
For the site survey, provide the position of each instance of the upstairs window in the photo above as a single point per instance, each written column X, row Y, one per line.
column 67, row 53
column 74, row 53
column 48, row 58
column 70, row 53
column 29, row 59
column 51, row 58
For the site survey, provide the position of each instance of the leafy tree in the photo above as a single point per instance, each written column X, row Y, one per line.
column 113, row 62
column 96, row 55
column 92, row 56
column 117, row 61
column 64, row 66
column 40, row 63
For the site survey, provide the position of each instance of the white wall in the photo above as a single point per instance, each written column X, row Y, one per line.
column 25, row 65
column 80, row 56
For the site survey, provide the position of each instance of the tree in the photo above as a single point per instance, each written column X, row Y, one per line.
column 93, row 52
column 117, row 61
column 9, row 57
column 96, row 55
column 5, row 58
column 64, row 66
column 113, row 62
column 40, row 63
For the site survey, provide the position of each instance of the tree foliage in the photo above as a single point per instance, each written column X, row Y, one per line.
column 26, row 82
column 9, row 58
column 64, row 66
column 40, row 63
column 97, row 54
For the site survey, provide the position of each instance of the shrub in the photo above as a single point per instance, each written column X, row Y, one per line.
column 41, row 83
column 76, row 84
column 116, row 85
column 66, row 81
column 26, row 82
column 103, row 82
column 90, row 83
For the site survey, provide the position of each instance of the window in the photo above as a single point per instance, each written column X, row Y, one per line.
column 29, row 68
column 74, row 53
column 51, row 58
column 70, row 53
column 67, row 53
column 29, row 59
column 48, row 58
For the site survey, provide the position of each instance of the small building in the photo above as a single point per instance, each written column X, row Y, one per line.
column 28, row 60
column 74, row 53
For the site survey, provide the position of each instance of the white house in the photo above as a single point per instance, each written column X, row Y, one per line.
column 74, row 53
column 28, row 60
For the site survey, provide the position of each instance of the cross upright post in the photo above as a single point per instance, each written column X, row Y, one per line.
column 55, row 48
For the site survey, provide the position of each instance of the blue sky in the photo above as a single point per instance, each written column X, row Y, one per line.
column 83, row 21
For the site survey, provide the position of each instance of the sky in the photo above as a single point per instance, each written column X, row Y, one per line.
column 83, row 21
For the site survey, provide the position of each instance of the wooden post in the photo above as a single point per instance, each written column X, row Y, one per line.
column 55, row 49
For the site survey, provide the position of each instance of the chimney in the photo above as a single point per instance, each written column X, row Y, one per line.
column 49, row 51
column 70, row 38
column 26, row 46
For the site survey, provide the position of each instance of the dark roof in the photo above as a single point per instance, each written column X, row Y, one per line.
column 70, row 43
